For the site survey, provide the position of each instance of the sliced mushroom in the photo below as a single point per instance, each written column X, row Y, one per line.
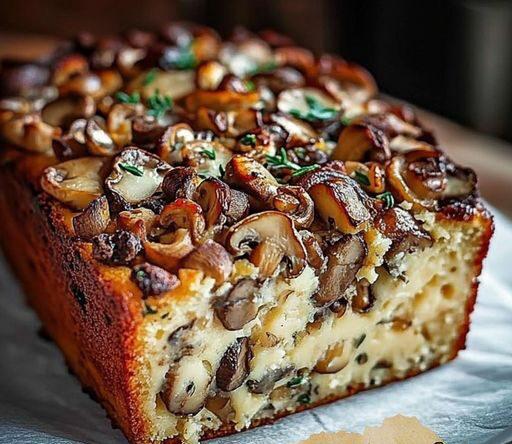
column 404, row 231
column 186, row 386
column 364, row 298
column 119, row 122
column 275, row 238
column 296, row 203
column 314, row 252
column 209, row 75
column 238, row 307
column 72, row 144
column 234, row 365
column 139, row 221
column 280, row 79
column 214, row 196
column 212, row 259
column 75, row 182
column 173, row 139
column 307, row 103
column 342, row 203
column 184, row 213
column 373, row 171
column 344, row 259
column 228, row 123
column 64, row 110
column 69, row 66
column 335, row 358
column 268, row 381
column 93, row 220
column 174, row 84
column 220, row 100
column 98, row 141
column 299, row 133
column 30, row 133
column 180, row 182
column 238, row 207
column 170, row 250
column 136, row 176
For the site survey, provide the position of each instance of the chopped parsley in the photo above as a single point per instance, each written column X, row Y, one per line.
column 294, row 382
column 387, row 198
column 249, row 139
column 316, row 111
column 132, row 98
column 132, row 169
column 249, row 85
column 150, row 77
column 361, row 178
column 210, row 153
column 159, row 104
column 304, row 398
column 185, row 59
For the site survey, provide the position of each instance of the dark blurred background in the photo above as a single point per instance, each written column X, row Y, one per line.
column 453, row 57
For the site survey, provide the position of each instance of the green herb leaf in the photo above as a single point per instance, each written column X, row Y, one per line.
column 148, row 310
column 186, row 59
column 261, row 69
column 132, row 169
column 358, row 341
column 249, row 85
column 222, row 171
column 159, row 104
column 346, row 121
column 316, row 111
column 123, row 97
column 281, row 161
column 209, row 153
column 361, row 178
column 150, row 77
column 294, row 382
column 248, row 139
column 304, row 398
column 387, row 198
column 304, row 170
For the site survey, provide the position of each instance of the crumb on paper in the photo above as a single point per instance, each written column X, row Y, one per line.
column 395, row 430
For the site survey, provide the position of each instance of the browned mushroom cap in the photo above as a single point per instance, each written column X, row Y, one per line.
column 139, row 221
column 221, row 100
column 212, row 259
column 30, row 133
column 250, row 176
column 344, row 259
column 119, row 122
column 64, row 110
column 404, row 231
column 361, row 140
column 297, row 102
column 69, row 66
column 280, row 79
column 275, row 238
column 72, row 144
column 341, row 202
column 214, row 196
column 209, row 75
column 234, row 365
column 371, row 170
column 314, row 252
column 336, row 358
column 180, row 182
column 299, row 132
column 173, row 138
column 93, row 220
column 75, row 182
column 227, row 123
column 296, row 203
column 238, row 207
column 173, row 84
column 136, row 176
column 184, row 213
column 98, row 141
column 238, row 307
column 170, row 250
column 186, row 386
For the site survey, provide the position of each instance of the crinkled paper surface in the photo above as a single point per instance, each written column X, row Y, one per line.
column 466, row 401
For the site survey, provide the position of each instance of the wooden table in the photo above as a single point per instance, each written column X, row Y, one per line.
column 491, row 158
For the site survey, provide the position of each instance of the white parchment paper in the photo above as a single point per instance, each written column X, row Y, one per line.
column 466, row 401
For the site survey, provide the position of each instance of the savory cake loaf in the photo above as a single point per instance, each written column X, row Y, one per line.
column 221, row 233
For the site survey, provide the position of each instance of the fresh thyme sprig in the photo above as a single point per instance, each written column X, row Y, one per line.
column 249, row 139
column 185, row 59
column 210, row 153
column 281, row 161
column 264, row 68
column 316, row 111
column 159, row 104
column 361, row 178
column 132, row 169
column 387, row 198
column 150, row 77
column 123, row 97
column 304, row 170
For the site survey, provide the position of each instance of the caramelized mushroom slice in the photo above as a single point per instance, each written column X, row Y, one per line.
column 221, row 100
column 214, row 196
column 335, row 358
column 98, row 141
column 72, row 144
column 239, row 306
column 275, row 238
column 341, row 202
column 296, row 203
column 212, row 259
column 268, row 381
column 75, row 182
column 139, row 221
column 344, row 259
column 184, row 213
column 30, row 133
column 173, row 139
column 174, row 84
column 119, row 122
column 64, row 110
column 307, row 103
column 314, row 252
column 93, row 220
column 186, row 386
column 209, row 75
column 373, row 171
column 136, row 176
column 169, row 254
column 299, row 133
column 180, row 182
column 234, row 365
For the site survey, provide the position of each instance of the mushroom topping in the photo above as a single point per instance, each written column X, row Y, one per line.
column 214, row 196
column 234, row 365
column 180, row 182
column 139, row 221
column 404, row 231
column 268, row 381
column 239, row 306
column 314, row 252
column 364, row 298
column 75, row 182
column 299, row 133
column 341, row 203
column 184, row 213
column 173, row 84
column 335, row 358
column 97, row 139
column 30, row 133
column 186, row 386
column 221, row 100
column 69, row 66
column 307, row 104
column 153, row 280
column 296, row 203
column 280, row 79
column 250, row 176
column 17, row 77
column 72, row 144
column 209, row 75
column 274, row 238
column 227, row 123
column 119, row 122
column 119, row 248
column 136, row 176
column 93, row 220
column 173, row 139
column 370, row 175
column 64, row 110
column 170, row 250
column 238, row 207
column 344, row 259
column 212, row 259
